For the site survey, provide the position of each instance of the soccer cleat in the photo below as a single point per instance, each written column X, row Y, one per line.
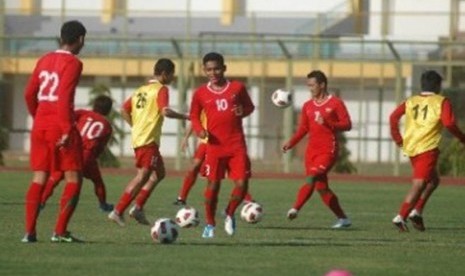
column 66, row 238
column 105, row 207
column 292, row 213
column 29, row 238
column 179, row 202
column 342, row 223
column 230, row 225
column 400, row 223
column 118, row 219
column 208, row 232
column 417, row 220
column 138, row 215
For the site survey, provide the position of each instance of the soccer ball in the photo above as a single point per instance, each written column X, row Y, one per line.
column 164, row 230
column 252, row 212
column 281, row 98
column 187, row 217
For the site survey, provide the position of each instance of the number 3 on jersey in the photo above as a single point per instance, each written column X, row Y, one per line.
column 48, row 86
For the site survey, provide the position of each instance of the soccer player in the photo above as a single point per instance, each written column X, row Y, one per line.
column 144, row 111
column 321, row 118
column 225, row 104
column 55, row 141
column 425, row 115
column 95, row 133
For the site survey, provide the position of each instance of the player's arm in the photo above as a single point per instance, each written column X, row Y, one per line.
column 102, row 142
column 194, row 115
column 30, row 93
column 126, row 111
column 246, row 106
column 185, row 139
column 299, row 134
column 67, row 87
column 341, row 122
column 449, row 121
column 394, row 120
column 166, row 111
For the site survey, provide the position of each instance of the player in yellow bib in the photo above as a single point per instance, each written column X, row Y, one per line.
column 144, row 111
column 425, row 116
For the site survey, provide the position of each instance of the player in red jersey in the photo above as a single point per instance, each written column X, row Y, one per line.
column 145, row 111
column 55, row 141
column 425, row 115
column 95, row 132
column 321, row 118
column 225, row 104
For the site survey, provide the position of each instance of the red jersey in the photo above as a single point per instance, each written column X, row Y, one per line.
column 95, row 130
column 225, row 131
column 322, row 137
column 51, row 88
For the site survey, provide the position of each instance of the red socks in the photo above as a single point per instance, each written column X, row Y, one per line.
column 237, row 195
column 187, row 184
column 123, row 203
column 305, row 192
column 33, row 197
column 331, row 200
column 68, row 202
column 142, row 197
column 211, row 200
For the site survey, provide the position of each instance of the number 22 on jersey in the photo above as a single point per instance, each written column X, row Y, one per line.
column 48, row 86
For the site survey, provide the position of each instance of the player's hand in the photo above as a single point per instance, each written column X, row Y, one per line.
column 203, row 134
column 238, row 110
column 285, row 147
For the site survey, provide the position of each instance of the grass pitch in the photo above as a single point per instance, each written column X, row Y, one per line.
column 275, row 246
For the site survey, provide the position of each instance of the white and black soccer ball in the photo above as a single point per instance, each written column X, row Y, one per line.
column 164, row 230
column 187, row 217
column 252, row 212
column 281, row 98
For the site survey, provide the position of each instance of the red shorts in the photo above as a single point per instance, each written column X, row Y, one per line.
column 148, row 157
column 424, row 164
column 46, row 156
column 237, row 166
column 201, row 151
column 317, row 164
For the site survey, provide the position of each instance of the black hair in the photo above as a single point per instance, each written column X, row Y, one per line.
column 71, row 31
column 319, row 76
column 163, row 65
column 431, row 81
column 212, row 56
column 103, row 105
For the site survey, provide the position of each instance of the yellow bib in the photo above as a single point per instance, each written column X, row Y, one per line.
column 422, row 124
column 146, row 117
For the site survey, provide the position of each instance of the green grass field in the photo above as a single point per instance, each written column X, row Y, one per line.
column 275, row 246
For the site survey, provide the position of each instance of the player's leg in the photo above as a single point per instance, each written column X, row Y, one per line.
column 416, row 215
column 40, row 162
column 191, row 175
column 239, row 172
column 307, row 188
column 331, row 201
column 423, row 169
column 69, row 160
column 92, row 172
column 214, row 171
column 53, row 181
column 144, row 158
